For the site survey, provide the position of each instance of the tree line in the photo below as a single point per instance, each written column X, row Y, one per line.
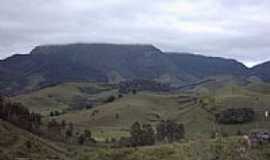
column 146, row 134
column 235, row 115
column 19, row 115
column 63, row 131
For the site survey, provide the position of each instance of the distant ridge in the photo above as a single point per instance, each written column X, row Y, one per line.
column 261, row 71
column 105, row 62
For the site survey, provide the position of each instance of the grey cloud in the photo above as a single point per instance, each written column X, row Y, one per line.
column 227, row 28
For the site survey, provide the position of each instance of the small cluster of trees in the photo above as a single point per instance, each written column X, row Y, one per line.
column 142, row 135
column 79, row 103
column 235, row 116
column 110, row 99
column 66, row 132
column 19, row 115
column 57, row 129
column 60, row 130
column 132, row 86
column 86, row 136
column 145, row 135
column 170, row 131
column 56, row 113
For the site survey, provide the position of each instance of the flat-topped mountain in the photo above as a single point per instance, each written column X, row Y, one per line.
column 51, row 64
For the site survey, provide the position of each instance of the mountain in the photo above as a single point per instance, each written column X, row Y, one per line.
column 261, row 71
column 201, row 66
column 53, row 64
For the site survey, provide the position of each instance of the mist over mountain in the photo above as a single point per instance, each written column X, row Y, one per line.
column 52, row 64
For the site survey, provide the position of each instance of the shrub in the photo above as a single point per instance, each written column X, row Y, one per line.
column 110, row 99
column 235, row 116
column 117, row 116
column 56, row 113
column 170, row 130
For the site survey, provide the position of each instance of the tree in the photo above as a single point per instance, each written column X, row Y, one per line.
column 170, row 130
column 136, row 134
column 110, row 99
column 54, row 127
column 179, row 132
column 56, row 113
column 134, row 91
column 81, row 139
column 69, row 131
column 28, row 144
column 148, row 136
column 64, row 124
column 235, row 115
column 117, row 116
column 88, row 134
column 124, row 142
column 141, row 136
column 161, row 131
column 19, row 115
column 51, row 113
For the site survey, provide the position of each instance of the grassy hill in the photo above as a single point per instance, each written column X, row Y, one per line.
column 64, row 96
column 18, row 143
column 221, row 148
column 113, row 119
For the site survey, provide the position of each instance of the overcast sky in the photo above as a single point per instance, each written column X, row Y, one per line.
column 237, row 29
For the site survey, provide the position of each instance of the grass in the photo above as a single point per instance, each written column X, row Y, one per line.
column 147, row 107
column 61, row 97
column 18, row 143
column 112, row 120
column 221, row 148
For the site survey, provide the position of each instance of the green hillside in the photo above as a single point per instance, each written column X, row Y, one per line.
column 108, row 120
column 18, row 143
column 64, row 96
column 221, row 148
column 112, row 120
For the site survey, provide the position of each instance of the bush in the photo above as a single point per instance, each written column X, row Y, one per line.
column 56, row 113
column 120, row 95
column 110, row 99
column 81, row 139
column 117, row 116
column 134, row 91
column 170, row 130
column 235, row 116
